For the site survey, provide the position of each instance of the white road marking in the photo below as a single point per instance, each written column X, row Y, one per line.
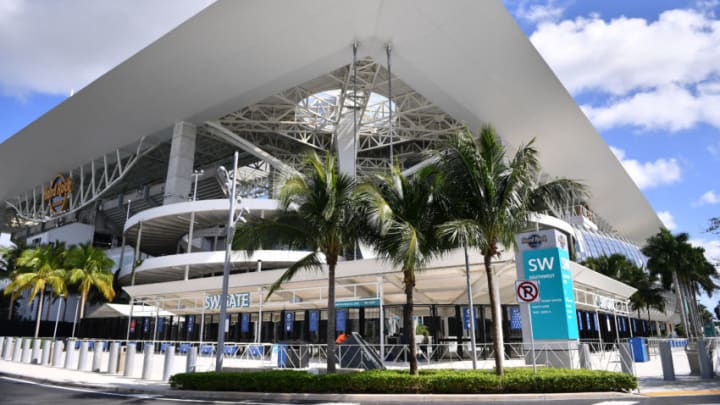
column 616, row 403
column 157, row 397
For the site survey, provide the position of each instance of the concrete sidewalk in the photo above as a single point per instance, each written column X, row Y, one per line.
column 119, row 384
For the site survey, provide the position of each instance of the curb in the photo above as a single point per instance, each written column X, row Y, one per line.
column 364, row 398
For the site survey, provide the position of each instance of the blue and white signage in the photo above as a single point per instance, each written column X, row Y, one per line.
column 289, row 319
column 515, row 319
column 543, row 257
column 237, row 300
column 466, row 317
column 314, row 321
column 245, row 323
column 190, row 323
column 341, row 321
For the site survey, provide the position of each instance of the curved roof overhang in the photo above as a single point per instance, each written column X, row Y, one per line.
column 443, row 281
column 163, row 226
column 468, row 57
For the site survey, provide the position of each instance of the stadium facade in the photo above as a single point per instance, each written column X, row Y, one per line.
column 129, row 162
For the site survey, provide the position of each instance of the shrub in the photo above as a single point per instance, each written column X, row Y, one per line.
column 396, row 382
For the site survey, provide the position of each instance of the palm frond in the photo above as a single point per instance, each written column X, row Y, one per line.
column 309, row 262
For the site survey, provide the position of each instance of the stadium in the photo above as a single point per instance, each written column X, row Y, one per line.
column 129, row 164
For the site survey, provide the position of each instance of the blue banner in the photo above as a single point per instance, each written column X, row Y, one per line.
column 289, row 320
column 314, row 321
column 190, row 323
column 580, row 322
column 160, row 325
column 146, row 325
column 515, row 318
column 341, row 321
column 589, row 322
column 466, row 318
column 245, row 323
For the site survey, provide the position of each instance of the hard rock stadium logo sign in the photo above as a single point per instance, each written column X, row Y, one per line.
column 57, row 194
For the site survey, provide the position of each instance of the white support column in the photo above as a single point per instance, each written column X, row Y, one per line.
column 180, row 164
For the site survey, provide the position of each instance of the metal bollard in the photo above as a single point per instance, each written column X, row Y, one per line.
column 8, row 349
column 666, row 359
column 46, row 349
column 97, row 356
column 169, row 360
column 148, row 354
column 130, row 360
column 70, row 354
column 706, row 369
column 113, row 357
column 58, row 354
column 27, row 342
column 626, row 358
column 585, row 358
column 191, row 361
column 82, row 360
column 36, row 346
column 17, row 351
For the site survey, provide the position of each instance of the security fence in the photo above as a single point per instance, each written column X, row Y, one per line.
column 642, row 357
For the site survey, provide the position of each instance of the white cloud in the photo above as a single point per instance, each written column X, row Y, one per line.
column 708, row 198
column 670, row 108
column 650, row 174
column 667, row 220
column 539, row 13
column 53, row 47
column 631, row 54
column 655, row 75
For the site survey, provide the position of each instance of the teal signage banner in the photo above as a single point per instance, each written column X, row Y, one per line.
column 545, row 259
column 358, row 303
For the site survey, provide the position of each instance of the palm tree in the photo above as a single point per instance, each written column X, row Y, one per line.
column 319, row 215
column 684, row 267
column 90, row 267
column 618, row 267
column 402, row 219
column 41, row 267
column 8, row 263
column 493, row 198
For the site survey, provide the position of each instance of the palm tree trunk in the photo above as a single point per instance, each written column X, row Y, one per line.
column 408, row 327
column 496, row 316
column 39, row 313
column 680, row 298
column 12, row 306
column 82, row 304
column 693, row 309
column 331, row 317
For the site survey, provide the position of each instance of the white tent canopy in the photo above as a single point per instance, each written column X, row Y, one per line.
column 123, row 310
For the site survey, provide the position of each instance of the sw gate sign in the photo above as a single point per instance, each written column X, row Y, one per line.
column 237, row 300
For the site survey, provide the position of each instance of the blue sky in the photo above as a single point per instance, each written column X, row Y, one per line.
column 646, row 72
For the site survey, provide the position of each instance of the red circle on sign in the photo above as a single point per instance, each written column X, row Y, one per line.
column 529, row 291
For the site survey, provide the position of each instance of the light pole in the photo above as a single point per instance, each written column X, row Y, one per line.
column 229, row 186
column 196, row 174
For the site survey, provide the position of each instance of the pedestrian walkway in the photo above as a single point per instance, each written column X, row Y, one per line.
column 118, row 384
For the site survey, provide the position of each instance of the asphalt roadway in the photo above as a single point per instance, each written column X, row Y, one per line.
column 14, row 391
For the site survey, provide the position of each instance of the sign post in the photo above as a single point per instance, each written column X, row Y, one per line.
column 528, row 292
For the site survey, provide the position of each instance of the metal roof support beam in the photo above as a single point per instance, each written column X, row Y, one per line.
column 232, row 138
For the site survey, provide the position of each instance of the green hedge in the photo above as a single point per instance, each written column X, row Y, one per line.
column 519, row 380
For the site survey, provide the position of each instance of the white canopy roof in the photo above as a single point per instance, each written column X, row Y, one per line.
column 468, row 57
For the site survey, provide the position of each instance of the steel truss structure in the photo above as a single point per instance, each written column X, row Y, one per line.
column 90, row 182
column 274, row 133
column 308, row 116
